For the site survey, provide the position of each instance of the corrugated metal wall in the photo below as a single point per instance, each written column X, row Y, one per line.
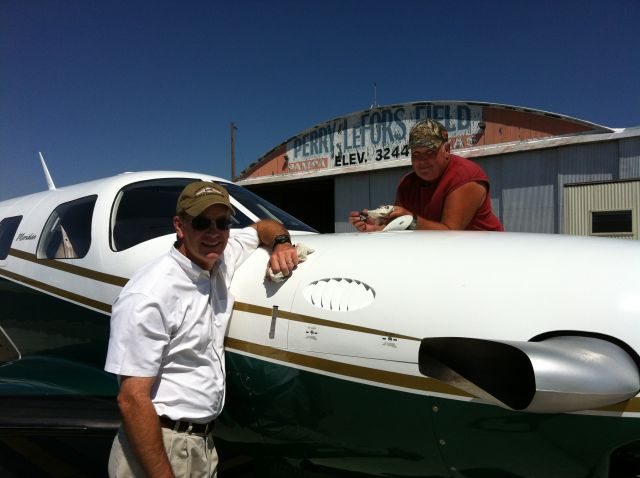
column 493, row 167
column 527, row 188
column 583, row 199
column 581, row 163
column 523, row 185
column 368, row 190
column 629, row 150
column 529, row 185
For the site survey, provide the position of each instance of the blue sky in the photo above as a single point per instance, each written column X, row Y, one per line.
column 102, row 87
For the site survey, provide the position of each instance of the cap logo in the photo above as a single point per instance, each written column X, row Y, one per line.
column 207, row 190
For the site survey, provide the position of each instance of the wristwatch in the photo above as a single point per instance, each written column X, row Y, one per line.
column 281, row 239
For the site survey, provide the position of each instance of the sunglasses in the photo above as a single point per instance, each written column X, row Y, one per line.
column 201, row 223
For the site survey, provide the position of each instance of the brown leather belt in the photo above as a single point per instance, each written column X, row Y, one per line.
column 185, row 426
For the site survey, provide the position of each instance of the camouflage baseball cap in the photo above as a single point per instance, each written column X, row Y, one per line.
column 199, row 195
column 427, row 134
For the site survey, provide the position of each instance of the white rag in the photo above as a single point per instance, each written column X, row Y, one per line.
column 380, row 213
column 303, row 251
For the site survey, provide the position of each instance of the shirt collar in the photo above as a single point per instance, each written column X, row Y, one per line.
column 190, row 268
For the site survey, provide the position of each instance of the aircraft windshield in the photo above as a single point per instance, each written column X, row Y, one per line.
column 264, row 209
column 144, row 210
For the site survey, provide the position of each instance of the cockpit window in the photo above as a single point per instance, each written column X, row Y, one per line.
column 8, row 227
column 263, row 209
column 144, row 211
column 67, row 233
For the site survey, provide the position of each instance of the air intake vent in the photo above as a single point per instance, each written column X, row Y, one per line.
column 340, row 295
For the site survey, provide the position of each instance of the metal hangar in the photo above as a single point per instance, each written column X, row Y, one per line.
column 534, row 160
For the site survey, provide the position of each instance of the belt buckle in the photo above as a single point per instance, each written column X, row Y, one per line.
column 186, row 426
column 195, row 428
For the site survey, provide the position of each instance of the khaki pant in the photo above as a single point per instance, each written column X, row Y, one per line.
column 191, row 456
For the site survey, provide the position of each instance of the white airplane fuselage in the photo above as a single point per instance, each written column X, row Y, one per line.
column 410, row 353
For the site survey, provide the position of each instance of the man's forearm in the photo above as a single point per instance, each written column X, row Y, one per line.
column 142, row 427
column 284, row 257
column 422, row 223
column 268, row 230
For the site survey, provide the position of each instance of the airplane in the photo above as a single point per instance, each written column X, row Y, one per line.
column 397, row 354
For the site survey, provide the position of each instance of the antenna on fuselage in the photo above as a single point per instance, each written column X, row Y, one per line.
column 50, row 185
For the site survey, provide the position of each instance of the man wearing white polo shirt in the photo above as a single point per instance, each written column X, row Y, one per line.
column 167, row 338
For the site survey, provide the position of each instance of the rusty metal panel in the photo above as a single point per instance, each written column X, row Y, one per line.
column 377, row 137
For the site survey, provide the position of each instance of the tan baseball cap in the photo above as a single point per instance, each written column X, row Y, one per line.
column 427, row 134
column 199, row 195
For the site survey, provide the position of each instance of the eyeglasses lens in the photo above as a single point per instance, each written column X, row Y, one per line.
column 201, row 223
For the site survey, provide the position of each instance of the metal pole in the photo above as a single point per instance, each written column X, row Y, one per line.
column 233, row 152
column 375, row 95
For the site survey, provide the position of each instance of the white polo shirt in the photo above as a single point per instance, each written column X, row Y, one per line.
column 170, row 320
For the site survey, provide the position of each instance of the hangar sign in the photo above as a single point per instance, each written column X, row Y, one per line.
column 378, row 135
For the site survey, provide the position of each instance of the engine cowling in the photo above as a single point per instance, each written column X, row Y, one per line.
column 560, row 374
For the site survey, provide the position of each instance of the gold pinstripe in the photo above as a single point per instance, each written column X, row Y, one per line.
column 256, row 309
column 71, row 268
column 56, row 291
column 348, row 370
column 339, row 368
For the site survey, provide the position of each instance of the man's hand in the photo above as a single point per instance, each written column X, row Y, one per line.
column 397, row 212
column 284, row 258
column 367, row 225
column 459, row 209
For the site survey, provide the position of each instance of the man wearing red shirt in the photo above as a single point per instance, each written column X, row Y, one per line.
column 443, row 191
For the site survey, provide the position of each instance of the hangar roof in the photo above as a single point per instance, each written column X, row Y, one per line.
column 377, row 138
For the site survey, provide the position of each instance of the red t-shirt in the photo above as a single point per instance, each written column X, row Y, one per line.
column 426, row 199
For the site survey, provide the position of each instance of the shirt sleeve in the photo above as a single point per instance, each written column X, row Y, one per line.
column 240, row 246
column 138, row 337
column 466, row 172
